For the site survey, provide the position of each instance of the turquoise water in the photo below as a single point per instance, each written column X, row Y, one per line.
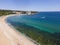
column 46, row 21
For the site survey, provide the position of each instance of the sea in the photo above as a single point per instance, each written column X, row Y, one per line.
column 46, row 21
column 42, row 27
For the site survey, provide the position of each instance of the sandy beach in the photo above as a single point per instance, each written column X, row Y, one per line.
column 8, row 36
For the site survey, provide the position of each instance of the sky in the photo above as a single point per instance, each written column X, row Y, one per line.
column 31, row 5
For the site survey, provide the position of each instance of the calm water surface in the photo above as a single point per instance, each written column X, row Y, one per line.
column 46, row 21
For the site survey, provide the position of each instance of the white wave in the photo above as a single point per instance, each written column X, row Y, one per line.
column 43, row 17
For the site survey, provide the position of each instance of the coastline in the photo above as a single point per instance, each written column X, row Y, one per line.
column 15, row 37
column 23, row 34
column 20, row 32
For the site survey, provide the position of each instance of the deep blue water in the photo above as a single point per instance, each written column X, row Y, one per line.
column 46, row 21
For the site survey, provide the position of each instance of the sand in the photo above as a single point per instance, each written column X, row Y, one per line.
column 8, row 35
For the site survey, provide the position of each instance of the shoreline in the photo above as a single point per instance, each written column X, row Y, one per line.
column 18, row 39
column 21, row 33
